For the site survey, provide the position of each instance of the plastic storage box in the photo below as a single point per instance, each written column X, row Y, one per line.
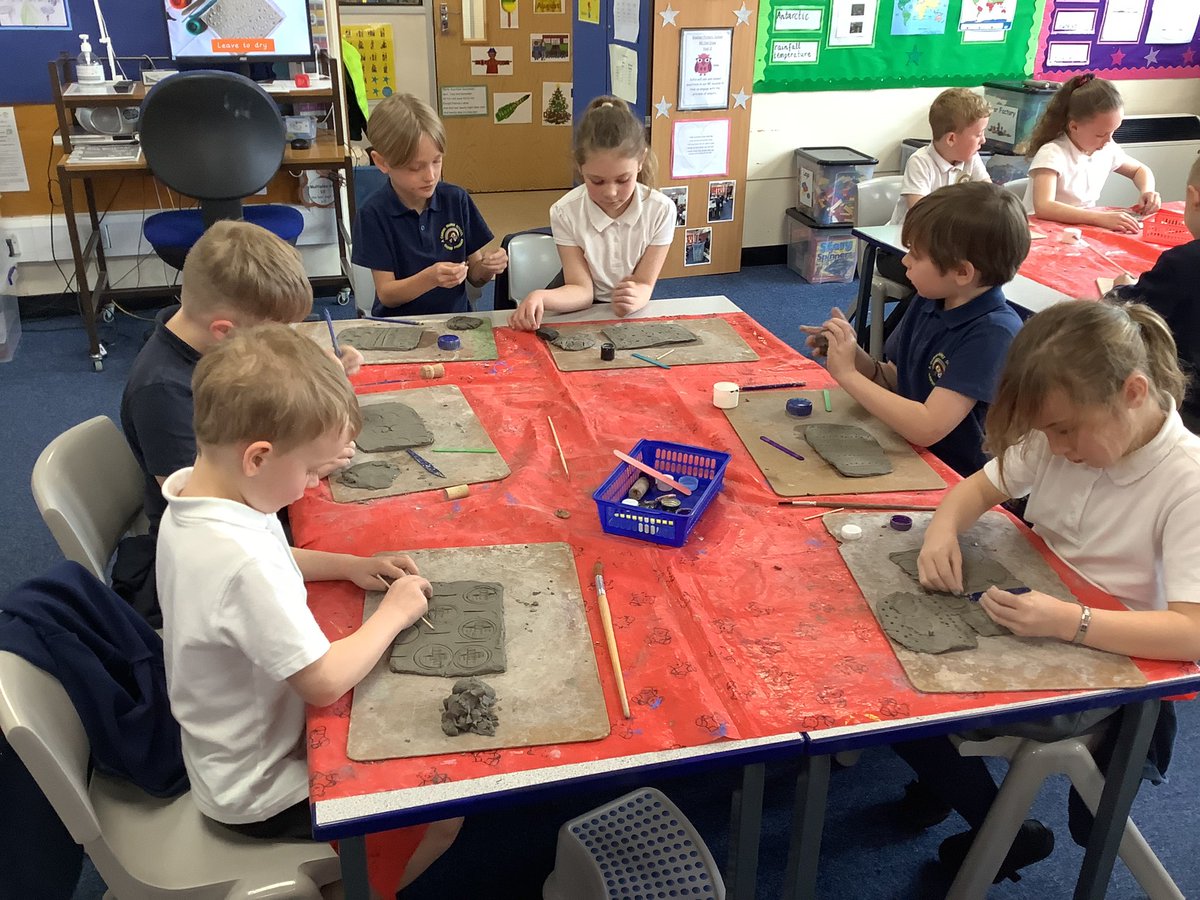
column 820, row 254
column 827, row 182
column 658, row 525
column 909, row 146
column 10, row 326
column 1016, row 108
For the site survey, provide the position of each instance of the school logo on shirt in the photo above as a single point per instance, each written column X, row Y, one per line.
column 452, row 236
column 937, row 368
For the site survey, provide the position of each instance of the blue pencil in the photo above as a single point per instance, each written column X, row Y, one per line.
column 653, row 362
column 333, row 335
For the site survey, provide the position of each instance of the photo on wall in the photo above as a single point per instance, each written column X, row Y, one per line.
column 491, row 60
column 720, row 201
column 678, row 196
column 697, row 247
column 550, row 47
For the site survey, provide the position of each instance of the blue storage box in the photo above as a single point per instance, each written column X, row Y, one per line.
column 658, row 525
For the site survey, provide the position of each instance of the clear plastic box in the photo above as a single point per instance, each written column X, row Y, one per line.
column 820, row 254
column 10, row 326
column 827, row 182
column 1016, row 108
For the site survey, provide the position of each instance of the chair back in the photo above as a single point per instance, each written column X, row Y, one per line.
column 533, row 264
column 1017, row 186
column 89, row 489
column 214, row 136
column 877, row 199
column 41, row 725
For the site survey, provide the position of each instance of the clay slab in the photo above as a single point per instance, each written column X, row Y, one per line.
column 392, row 426
column 716, row 342
column 391, row 338
column 920, row 624
column 467, row 637
column 477, row 343
column 849, row 449
column 371, row 476
column 637, row 335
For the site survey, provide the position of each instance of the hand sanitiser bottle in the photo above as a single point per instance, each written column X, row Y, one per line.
column 88, row 69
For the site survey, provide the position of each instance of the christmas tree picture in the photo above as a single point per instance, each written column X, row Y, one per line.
column 556, row 100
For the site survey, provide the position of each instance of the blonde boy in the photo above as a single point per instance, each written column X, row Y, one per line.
column 243, row 653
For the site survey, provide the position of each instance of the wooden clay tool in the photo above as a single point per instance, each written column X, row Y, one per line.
column 653, row 472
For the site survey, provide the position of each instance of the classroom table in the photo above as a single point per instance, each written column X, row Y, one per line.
column 750, row 643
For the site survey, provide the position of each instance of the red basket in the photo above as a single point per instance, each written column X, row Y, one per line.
column 1166, row 227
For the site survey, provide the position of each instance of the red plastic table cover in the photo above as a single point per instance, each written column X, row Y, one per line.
column 754, row 628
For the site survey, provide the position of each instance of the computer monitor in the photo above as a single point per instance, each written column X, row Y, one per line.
column 204, row 31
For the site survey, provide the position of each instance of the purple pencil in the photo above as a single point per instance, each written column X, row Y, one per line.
column 780, row 447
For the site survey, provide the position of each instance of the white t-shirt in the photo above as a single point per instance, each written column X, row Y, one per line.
column 1132, row 529
column 613, row 247
column 236, row 625
column 926, row 171
column 1080, row 177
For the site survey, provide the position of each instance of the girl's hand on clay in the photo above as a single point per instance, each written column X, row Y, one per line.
column 373, row 572
column 939, row 563
column 629, row 296
column 528, row 315
column 343, row 459
column 841, row 348
column 1033, row 614
column 1148, row 204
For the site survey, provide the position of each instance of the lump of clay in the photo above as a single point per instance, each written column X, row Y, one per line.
column 920, row 623
column 577, row 341
column 369, row 476
column 852, row 451
column 546, row 333
column 392, row 426
column 979, row 571
column 637, row 335
column 471, row 706
column 463, row 323
column 388, row 338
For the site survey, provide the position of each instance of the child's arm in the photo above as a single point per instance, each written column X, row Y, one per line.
column 634, row 292
column 577, row 292
column 1143, row 179
column 483, row 267
column 347, row 661
column 940, row 561
column 364, row 571
column 393, row 291
column 1045, row 187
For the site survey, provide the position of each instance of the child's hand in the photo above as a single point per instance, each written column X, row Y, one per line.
column 1033, row 614
column 492, row 264
column 374, row 573
column 939, row 563
column 817, row 340
column 448, row 274
column 408, row 598
column 1120, row 220
column 841, row 347
column 629, row 296
column 1149, row 204
column 344, row 458
column 528, row 315
column 351, row 359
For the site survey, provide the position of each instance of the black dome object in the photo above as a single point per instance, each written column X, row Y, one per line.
column 212, row 135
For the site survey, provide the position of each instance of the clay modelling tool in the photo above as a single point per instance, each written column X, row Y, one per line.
column 828, row 400
column 774, row 387
column 561, row 456
column 424, row 463
column 975, row 595
column 396, row 321
column 844, row 504
column 827, row 512
column 610, row 637
column 653, row 362
column 669, row 352
column 1104, row 257
column 463, row 450
column 763, row 437
column 388, row 584
column 653, row 473
column 333, row 335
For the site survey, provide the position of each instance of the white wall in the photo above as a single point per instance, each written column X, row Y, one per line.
column 873, row 122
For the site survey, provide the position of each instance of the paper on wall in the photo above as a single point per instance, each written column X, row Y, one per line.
column 1064, row 54
column 853, row 23
column 699, row 148
column 623, row 71
column 627, row 20
column 1122, row 21
column 1172, row 21
column 13, row 177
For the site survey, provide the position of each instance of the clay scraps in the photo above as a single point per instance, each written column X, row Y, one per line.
column 463, row 323
column 471, row 707
column 851, row 450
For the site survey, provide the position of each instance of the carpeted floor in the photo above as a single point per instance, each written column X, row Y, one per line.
column 867, row 853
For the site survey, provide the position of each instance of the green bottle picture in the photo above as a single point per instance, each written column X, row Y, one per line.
column 509, row 108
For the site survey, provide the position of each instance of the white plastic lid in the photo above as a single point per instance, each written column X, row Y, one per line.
column 851, row 532
column 84, row 45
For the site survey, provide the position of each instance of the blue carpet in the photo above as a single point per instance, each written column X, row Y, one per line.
column 867, row 854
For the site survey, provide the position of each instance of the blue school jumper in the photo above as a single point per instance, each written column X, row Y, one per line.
column 392, row 237
column 961, row 350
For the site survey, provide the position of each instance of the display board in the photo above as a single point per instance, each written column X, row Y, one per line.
column 1119, row 39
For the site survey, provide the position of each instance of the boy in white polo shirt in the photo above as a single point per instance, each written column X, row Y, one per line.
column 243, row 652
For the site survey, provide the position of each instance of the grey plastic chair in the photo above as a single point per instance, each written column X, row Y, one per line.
column 877, row 198
column 533, row 264
column 1017, row 186
column 144, row 848
column 89, row 489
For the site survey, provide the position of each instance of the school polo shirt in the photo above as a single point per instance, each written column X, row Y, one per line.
column 961, row 350
column 1080, row 177
column 1131, row 529
column 392, row 237
column 613, row 247
column 236, row 625
column 156, row 410
column 926, row 171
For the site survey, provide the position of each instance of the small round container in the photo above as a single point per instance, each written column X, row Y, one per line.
column 1070, row 236
column 691, row 482
column 449, row 342
column 608, row 352
column 851, row 533
column 901, row 523
column 725, row 395
column 799, row 407
column 662, row 485
column 670, row 502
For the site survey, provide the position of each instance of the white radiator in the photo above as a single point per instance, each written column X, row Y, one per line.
column 1167, row 144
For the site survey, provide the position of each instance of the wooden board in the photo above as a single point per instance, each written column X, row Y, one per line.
column 718, row 343
column 454, row 424
column 762, row 413
column 479, row 343
column 550, row 693
column 1007, row 663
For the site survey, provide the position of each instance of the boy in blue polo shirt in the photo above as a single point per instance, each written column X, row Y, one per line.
column 945, row 357
column 421, row 237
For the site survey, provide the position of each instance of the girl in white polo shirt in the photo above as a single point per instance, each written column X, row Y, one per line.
column 1072, row 153
column 614, row 230
column 1084, row 423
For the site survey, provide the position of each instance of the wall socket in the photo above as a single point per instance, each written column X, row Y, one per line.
column 12, row 245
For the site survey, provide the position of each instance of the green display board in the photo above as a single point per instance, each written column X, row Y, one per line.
column 839, row 45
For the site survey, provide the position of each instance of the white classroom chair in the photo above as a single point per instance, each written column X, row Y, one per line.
column 877, row 198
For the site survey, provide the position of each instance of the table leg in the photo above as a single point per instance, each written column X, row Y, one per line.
column 745, row 825
column 863, row 307
column 1121, row 784
column 352, row 852
column 67, row 191
column 808, row 820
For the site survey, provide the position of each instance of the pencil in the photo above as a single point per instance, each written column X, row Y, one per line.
column 774, row 387
column 828, row 400
column 388, row 584
column 562, row 458
column 844, row 504
column 610, row 637
column 333, row 335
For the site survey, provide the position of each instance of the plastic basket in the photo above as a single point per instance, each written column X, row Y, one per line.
column 657, row 525
column 1166, row 227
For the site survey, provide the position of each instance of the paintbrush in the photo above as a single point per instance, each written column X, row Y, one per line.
column 333, row 335
column 561, row 456
column 846, row 504
column 387, row 584
column 610, row 637
column 773, row 387
column 652, row 472
column 396, row 321
column 1104, row 257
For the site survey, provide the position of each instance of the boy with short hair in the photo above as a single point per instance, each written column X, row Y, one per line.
column 1170, row 290
column 421, row 237
column 946, row 355
column 236, row 274
column 243, row 653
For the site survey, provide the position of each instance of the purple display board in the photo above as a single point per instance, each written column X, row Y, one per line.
column 1118, row 39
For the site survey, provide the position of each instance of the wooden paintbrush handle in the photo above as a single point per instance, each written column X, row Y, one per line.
column 613, row 653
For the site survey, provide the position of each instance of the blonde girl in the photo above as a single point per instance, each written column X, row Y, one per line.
column 614, row 230
column 1072, row 153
